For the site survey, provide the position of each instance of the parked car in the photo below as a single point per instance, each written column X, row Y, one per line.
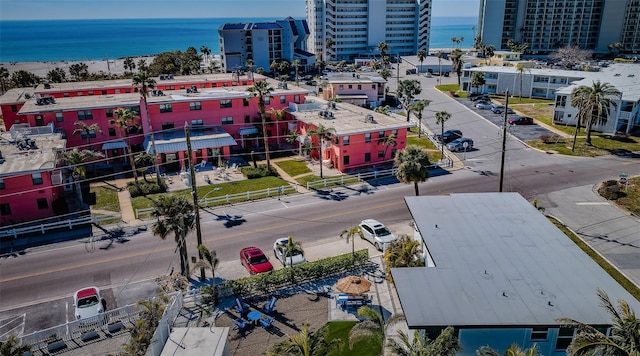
column 88, row 303
column 520, row 120
column 460, row 144
column 449, row 136
column 499, row 109
column 376, row 233
column 254, row 260
column 483, row 105
column 280, row 251
column 480, row 97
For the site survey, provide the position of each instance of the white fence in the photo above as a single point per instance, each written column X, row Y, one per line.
column 163, row 330
column 21, row 229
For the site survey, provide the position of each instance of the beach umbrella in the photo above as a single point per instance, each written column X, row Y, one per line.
column 353, row 285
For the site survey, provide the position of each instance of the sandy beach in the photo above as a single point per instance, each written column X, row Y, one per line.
column 113, row 66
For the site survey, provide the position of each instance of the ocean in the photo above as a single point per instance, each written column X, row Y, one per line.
column 74, row 40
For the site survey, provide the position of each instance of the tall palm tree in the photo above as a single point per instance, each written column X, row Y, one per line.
column 142, row 332
column 383, row 47
column 174, row 214
column 4, row 75
column 261, row 89
column 350, row 234
column 412, row 165
column 404, row 252
column 296, row 66
column 328, row 45
column 388, row 141
column 143, row 81
column 453, row 42
column 520, row 69
column 441, row 118
column 76, row 160
column 418, row 107
column 440, row 55
column 129, row 64
column 86, row 131
column 422, row 54
column 206, row 52
column 456, row 58
column 209, row 261
column 594, row 104
column 143, row 161
column 278, row 115
column 625, row 332
column 125, row 119
column 512, row 350
column 372, row 325
column 306, row 343
column 446, row 344
column 407, row 91
column 12, row 347
column 477, row 80
column 322, row 134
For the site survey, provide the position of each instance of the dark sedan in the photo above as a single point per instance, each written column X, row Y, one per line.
column 520, row 120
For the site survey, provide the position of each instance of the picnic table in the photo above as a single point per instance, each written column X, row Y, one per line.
column 345, row 300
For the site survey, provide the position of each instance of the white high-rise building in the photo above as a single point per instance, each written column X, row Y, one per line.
column 546, row 25
column 354, row 28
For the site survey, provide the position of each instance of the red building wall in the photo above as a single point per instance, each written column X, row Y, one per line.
column 22, row 196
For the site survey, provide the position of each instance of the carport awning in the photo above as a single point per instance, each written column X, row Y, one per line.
column 352, row 96
column 245, row 131
column 196, row 143
column 113, row 145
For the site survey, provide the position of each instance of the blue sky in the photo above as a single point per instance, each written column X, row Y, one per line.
column 94, row 9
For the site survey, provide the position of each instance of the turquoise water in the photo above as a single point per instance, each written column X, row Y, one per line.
column 55, row 40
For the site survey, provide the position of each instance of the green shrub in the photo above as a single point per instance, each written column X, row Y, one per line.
column 551, row 138
column 262, row 171
column 146, row 188
column 270, row 282
column 610, row 190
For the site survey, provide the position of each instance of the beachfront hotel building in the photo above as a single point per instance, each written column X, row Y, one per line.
column 546, row 25
column 264, row 43
column 356, row 27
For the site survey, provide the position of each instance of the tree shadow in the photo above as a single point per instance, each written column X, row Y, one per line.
column 230, row 220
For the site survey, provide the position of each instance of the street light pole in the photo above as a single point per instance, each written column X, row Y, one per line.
column 194, row 192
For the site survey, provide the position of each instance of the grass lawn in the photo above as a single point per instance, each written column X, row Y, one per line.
column 631, row 202
column 216, row 190
column 340, row 330
column 106, row 199
column 601, row 145
column 448, row 87
column 293, row 167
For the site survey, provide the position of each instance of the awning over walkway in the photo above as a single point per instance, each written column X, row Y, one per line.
column 352, row 96
column 174, row 140
column 245, row 131
column 113, row 145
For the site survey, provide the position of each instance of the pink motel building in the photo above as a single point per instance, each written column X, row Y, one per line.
column 367, row 90
column 358, row 133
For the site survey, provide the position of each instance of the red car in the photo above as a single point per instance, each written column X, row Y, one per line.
column 254, row 260
column 520, row 120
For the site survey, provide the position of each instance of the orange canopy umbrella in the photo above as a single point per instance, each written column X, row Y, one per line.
column 353, row 285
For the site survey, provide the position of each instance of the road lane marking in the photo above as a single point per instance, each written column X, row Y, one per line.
column 593, row 203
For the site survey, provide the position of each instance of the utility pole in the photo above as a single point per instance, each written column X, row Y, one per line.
column 504, row 138
column 194, row 192
column 398, row 72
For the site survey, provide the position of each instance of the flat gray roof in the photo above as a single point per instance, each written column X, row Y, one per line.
column 498, row 263
column 40, row 157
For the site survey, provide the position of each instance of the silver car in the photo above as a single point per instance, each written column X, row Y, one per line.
column 376, row 233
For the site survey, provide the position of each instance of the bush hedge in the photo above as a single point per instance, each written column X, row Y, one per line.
column 266, row 283
column 610, row 190
column 259, row 172
column 146, row 188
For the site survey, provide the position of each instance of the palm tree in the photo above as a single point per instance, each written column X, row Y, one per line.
column 143, row 81
column 210, row 261
column 262, row 90
column 624, row 338
column 293, row 248
column 441, row 118
column 206, row 52
column 383, row 109
column 125, row 119
column 383, row 47
column 12, row 347
column 412, row 165
column 388, row 141
column 214, row 67
column 143, row 161
column 174, row 214
column 129, row 64
column 76, row 159
column 446, row 344
column 404, row 252
column 143, row 330
column 418, row 107
column 422, row 54
column 296, row 64
column 407, row 90
column 306, row 343
column 594, row 104
column 520, row 69
column 328, row 44
column 351, row 234
column 278, row 115
column 477, row 80
column 322, row 134
column 440, row 55
column 456, row 58
column 4, row 75
column 513, row 350
column 453, row 42
column 373, row 325
column 86, row 131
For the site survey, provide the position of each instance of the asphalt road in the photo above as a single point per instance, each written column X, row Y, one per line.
column 36, row 287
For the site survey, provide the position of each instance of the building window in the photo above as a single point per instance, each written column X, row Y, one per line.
column 267, row 100
column 92, row 134
column 104, row 92
column 380, row 154
column 42, row 203
column 393, row 152
column 112, row 131
column 195, row 105
column 36, row 178
column 283, row 99
column 394, row 133
column 85, row 115
column 39, row 120
column 14, row 108
column 109, row 112
column 359, row 86
column 226, row 103
column 367, row 137
column 341, row 86
column 367, row 157
column 539, row 334
column 350, row 86
column 373, row 86
column 59, row 117
column 345, row 141
column 227, row 120
column 296, row 99
column 167, row 126
column 381, row 135
column 166, row 108
column 2, row 186
column 565, row 335
column 5, row 209
column 245, row 102
column 345, row 160
column 197, row 122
